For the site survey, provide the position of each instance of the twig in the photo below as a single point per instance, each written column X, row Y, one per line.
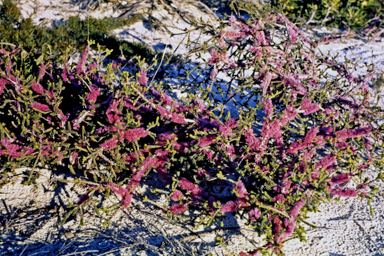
column 326, row 16
column 161, row 62
column 106, row 159
column 362, row 229
column 6, row 207
column 377, row 34
column 63, row 247
column 1, row 43
column 311, row 18
column 110, row 237
column 83, row 252
column 37, row 253
column 117, row 249
column 24, row 250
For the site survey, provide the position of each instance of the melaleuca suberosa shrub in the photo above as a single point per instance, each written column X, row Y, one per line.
column 314, row 129
column 301, row 136
column 109, row 129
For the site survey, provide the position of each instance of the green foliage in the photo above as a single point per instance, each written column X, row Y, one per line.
column 9, row 14
column 73, row 33
column 340, row 13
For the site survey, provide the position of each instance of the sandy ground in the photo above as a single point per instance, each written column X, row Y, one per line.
column 29, row 214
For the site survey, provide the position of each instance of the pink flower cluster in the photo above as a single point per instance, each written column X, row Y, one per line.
column 41, row 72
column 178, row 208
column 232, row 34
column 42, row 107
column 14, row 150
column 38, row 88
column 309, row 107
column 143, row 80
column 344, row 192
column 113, row 113
column 174, row 117
column 93, row 94
column 352, row 133
column 135, row 134
column 81, row 64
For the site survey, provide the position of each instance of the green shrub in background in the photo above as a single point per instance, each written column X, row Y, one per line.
column 73, row 33
column 337, row 13
column 354, row 14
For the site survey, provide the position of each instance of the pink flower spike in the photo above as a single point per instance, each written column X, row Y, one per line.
column 120, row 191
column 3, row 83
column 309, row 107
column 241, row 189
column 73, row 158
column 143, row 78
column 38, row 88
column 110, row 144
column 232, row 34
column 178, row 118
column 344, row 192
column 232, row 20
column 41, row 72
column 340, row 178
column 266, row 82
column 134, row 134
column 296, row 209
column 254, row 214
column 292, row 34
column 350, row 133
column 326, row 162
column 268, row 107
column 213, row 73
column 260, row 36
column 82, row 61
column 226, row 129
column 207, row 140
column 177, row 195
column 186, row 184
column 289, row 230
column 230, row 206
column 178, row 208
column 41, row 107
column 295, row 147
column 214, row 56
column 93, row 94
column 311, row 135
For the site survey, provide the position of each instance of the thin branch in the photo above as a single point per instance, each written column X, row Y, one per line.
column 311, row 18
column 1, row 43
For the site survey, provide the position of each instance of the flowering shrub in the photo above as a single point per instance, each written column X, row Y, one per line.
column 307, row 134
column 301, row 136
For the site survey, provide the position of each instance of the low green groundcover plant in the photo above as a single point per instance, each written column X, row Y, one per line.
column 73, row 33
column 353, row 14
column 301, row 138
